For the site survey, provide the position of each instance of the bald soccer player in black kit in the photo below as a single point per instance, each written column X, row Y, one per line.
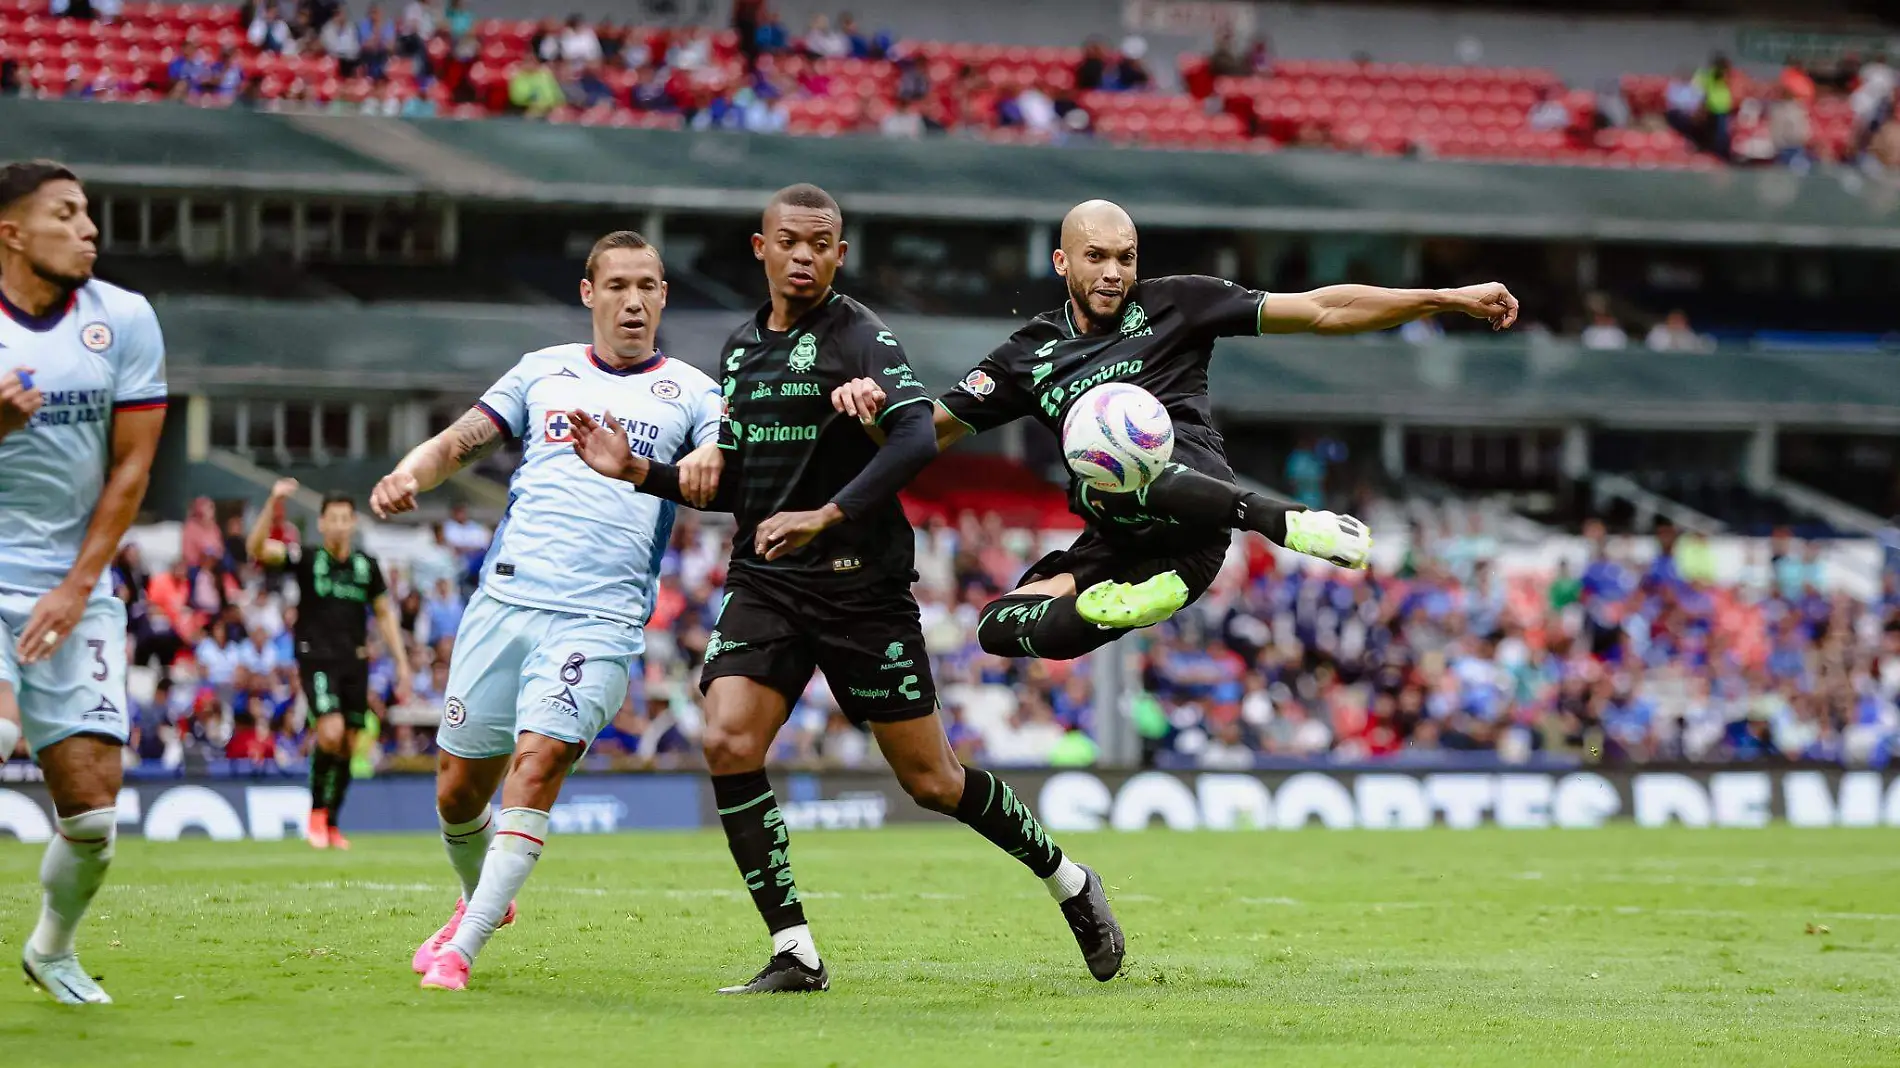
column 1143, row 556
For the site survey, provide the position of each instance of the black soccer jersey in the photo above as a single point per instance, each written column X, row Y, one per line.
column 334, row 602
column 792, row 452
column 1162, row 344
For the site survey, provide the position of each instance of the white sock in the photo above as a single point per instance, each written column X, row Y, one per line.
column 75, row 865
column 467, row 845
column 797, row 941
column 1068, row 880
column 519, row 835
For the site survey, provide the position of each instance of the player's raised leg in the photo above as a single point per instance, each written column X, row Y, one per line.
column 742, row 717
column 83, row 775
column 920, row 754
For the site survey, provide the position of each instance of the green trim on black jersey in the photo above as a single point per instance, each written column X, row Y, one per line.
column 945, row 408
column 913, row 400
column 1260, row 315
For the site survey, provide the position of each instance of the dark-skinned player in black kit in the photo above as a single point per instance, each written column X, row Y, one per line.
column 1142, row 556
column 821, row 578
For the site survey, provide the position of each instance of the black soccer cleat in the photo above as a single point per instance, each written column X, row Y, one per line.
column 786, row 974
column 1096, row 931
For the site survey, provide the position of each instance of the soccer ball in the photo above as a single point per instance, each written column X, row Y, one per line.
column 1117, row 438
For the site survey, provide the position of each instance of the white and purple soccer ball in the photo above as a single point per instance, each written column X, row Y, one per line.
column 1117, row 438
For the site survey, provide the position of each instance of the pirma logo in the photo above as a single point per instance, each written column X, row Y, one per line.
column 96, row 337
column 456, row 713
column 666, row 389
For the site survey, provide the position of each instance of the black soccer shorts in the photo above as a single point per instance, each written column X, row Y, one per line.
column 337, row 686
column 874, row 659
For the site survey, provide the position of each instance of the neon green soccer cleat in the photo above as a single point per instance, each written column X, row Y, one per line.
column 1141, row 604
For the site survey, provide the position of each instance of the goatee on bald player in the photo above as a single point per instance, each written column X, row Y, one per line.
column 1143, row 556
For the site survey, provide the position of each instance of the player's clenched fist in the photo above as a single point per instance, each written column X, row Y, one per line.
column 394, row 495
column 19, row 399
column 860, row 398
column 1488, row 300
column 699, row 474
column 282, row 489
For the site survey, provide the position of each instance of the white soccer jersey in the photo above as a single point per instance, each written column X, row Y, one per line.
column 573, row 540
column 101, row 353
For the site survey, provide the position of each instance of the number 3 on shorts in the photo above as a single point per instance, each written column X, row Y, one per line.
column 909, row 688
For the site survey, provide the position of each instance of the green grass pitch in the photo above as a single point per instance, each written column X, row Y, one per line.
column 1610, row 947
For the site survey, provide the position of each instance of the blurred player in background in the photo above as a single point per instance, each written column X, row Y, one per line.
column 821, row 579
column 1143, row 556
column 338, row 587
column 543, row 653
column 81, row 407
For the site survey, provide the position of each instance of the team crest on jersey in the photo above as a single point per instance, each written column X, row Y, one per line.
column 1135, row 322
column 557, row 428
column 805, row 354
column 96, row 336
column 666, row 389
column 456, row 714
column 977, row 384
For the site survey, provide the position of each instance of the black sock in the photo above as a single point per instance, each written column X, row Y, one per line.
column 1039, row 626
column 319, row 779
column 339, row 785
column 1203, row 500
column 760, row 844
column 989, row 807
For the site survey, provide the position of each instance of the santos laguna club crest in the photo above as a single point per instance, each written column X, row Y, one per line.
column 1135, row 322
column 805, row 354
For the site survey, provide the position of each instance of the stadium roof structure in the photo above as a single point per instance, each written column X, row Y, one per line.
column 151, row 146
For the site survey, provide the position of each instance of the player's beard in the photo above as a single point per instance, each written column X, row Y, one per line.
column 1079, row 297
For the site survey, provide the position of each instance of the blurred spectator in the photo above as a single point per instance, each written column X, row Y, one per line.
column 459, row 19
column 417, row 25
column 904, row 122
column 1131, row 73
column 1604, row 332
column 1226, row 61
column 860, row 46
column 1796, row 80
column 824, row 42
column 1549, row 113
column 441, row 612
column 1718, row 104
column 1305, row 474
column 1092, row 72
column 1789, row 130
column 1682, row 107
column 546, row 42
column 1674, row 334
column 200, row 539
column 467, row 537
column 691, row 51
column 578, row 42
column 534, row 91
column 1872, row 98
column 270, row 31
column 340, row 41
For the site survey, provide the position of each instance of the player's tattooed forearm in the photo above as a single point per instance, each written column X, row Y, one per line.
column 473, row 436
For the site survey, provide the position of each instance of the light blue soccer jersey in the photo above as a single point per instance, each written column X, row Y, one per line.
column 573, row 540
column 101, row 354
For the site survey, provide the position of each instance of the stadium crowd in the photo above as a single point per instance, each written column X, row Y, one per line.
column 428, row 57
column 1623, row 660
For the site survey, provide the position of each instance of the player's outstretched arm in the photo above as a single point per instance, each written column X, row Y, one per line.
column 391, row 629
column 134, row 443
column 1356, row 309
column 862, row 399
column 430, row 464
column 258, row 542
column 908, row 449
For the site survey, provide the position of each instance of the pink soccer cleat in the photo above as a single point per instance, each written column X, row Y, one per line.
column 426, row 952
column 447, row 972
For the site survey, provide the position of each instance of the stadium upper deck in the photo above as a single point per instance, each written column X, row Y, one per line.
column 671, row 77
